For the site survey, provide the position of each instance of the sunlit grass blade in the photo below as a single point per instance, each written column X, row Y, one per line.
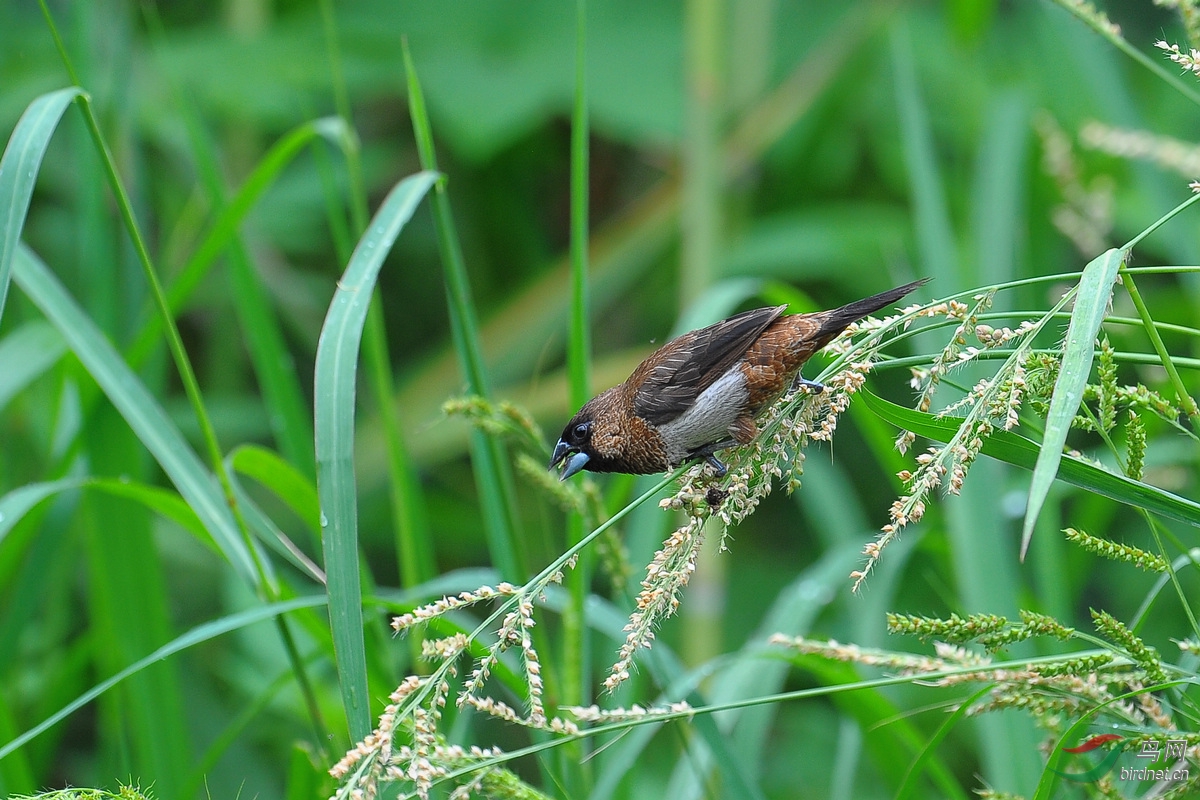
column 1021, row 452
column 1091, row 301
column 139, row 408
column 335, row 379
column 197, row 635
column 19, row 167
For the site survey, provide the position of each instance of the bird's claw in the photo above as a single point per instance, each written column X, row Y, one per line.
column 814, row 387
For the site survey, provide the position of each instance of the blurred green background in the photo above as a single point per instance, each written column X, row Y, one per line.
column 741, row 153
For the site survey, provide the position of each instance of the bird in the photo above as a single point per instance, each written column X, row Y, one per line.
column 701, row 392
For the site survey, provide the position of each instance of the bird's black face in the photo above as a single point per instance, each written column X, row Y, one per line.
column 573, row 449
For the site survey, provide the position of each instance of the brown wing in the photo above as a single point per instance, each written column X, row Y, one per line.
column 669, row 381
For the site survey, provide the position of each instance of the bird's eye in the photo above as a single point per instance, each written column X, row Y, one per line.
column 580, row 432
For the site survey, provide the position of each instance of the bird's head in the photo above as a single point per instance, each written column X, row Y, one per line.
column 574, row 447
column 606, row 436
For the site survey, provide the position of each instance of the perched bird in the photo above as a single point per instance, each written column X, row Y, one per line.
column 701, row 392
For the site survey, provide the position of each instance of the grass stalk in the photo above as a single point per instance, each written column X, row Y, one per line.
column 493, row 475
column 174, row 341
column 334, row 402
column 701, row 230
column 1186, row 401
column 574, row 651
column 273, row 366
column 702, row 153
column 1098, row 22
column 414, row 543
column 413, row 538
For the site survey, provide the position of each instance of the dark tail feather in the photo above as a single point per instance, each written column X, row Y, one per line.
column 836, row 320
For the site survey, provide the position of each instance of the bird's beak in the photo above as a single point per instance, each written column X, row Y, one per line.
column 572, row 462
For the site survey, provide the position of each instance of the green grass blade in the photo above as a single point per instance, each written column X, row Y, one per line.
column 26, row 354
column 931, row 216
column 224, row 229
column 414, row 545
column 493, row 475
column 793, row 613
column 928, row 750
column 1186, row 401
column 283, row 479
column 1021, row 452
column 199, row 634
column 270, row 534
column 574, row 645
column 19, row 167
column 20, row 501
column 336, row 370
column 579, row 349
column 139, row 408
column 274, row 369
column 1086, row 14
column 1091, row 301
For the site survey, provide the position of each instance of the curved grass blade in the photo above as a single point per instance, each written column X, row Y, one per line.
column 197, row 635
column 273, row 536
column 336, row 370
column 25, row 354
column 20, row 501
column 284, row 480
column 273, row 367
column 1021, row 452
column 224, row 229
column 1091, row 301
column 19, row 168
column 139, row 408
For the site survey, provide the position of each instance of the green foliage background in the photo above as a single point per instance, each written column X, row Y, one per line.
column 842, row 148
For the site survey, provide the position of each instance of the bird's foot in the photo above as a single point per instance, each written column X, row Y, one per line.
column 707, row 454
column 812, row 386
column 716, row 464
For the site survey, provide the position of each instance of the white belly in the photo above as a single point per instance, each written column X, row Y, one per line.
column 709, row 419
